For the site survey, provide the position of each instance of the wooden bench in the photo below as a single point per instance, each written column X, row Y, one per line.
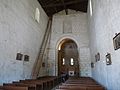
column 73, row 87
column 42, row 83
column 70, row 89
column 83, row 87
column 52, row 80
column 47, row 83
column 31, row 86
column 39, row 85
column 80, row 84
column 14, row 88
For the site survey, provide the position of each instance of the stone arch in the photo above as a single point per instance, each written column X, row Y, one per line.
column 61, row 40
column 66, row 37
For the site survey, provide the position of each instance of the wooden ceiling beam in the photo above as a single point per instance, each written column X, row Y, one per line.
column 50, row 2
column 67, row 3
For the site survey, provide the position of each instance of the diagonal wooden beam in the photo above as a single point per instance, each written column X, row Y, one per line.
column 67, row 3
column 66, row 11
column 55, row 9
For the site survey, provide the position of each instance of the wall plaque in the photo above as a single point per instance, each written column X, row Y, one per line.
column 116, row 41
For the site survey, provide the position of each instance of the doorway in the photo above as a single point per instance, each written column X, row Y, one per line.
column 68, row 58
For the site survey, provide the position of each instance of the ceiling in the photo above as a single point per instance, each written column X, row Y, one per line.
column 53, row 6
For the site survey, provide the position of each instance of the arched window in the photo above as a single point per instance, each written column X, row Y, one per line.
column 63, row 61
column 72, row 61
column 91, row 9
column 37, row 15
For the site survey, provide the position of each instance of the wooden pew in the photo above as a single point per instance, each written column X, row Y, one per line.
column 80, row 84
column 70, row 89
column 48, row 82
column 14, row 88
column 43, row 83
column 95, row 88
column 52, row 80
column 81, row 87
column 31, row 86
column 40, row 84
column 73, row 87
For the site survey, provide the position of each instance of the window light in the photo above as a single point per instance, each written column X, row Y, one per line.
column 91, row 10
column 37, row 15
column 71, row 61
column 63, row 61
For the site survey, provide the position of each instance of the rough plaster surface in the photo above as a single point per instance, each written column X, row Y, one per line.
column 103, row 25
column 79, row 34
column 19, row 32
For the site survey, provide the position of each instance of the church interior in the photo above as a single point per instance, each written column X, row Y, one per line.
column 59, row 45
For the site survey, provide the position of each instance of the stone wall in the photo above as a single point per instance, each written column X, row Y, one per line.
column 19, row 33
column 72, row 26
column 103, row 25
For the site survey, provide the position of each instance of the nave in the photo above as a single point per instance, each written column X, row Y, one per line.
column 47, row 38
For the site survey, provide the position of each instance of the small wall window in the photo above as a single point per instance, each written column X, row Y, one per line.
column 37, row 15
column 91, row 9
column 63, row 61
column 71, row 61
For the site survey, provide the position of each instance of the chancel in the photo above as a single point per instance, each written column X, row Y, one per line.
column 59, row 45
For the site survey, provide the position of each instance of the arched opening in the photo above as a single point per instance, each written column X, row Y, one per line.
column 68, row 58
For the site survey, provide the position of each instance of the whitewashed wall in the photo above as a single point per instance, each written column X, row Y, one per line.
column 103, row 25
column 76, row 29
column 19, row 32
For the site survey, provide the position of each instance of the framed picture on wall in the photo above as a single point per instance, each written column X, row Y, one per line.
column 92, row 65
column 108, row 59
column 19, row 56
column 116, row 41
column 98, row 56
column 26, row 58
column 43, row 64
